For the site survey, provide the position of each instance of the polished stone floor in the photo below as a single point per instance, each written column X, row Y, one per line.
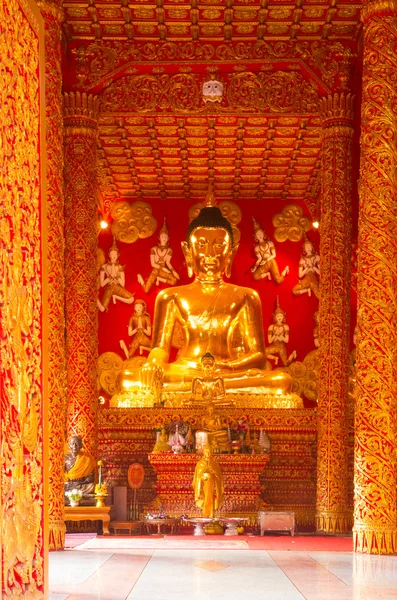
column 147, row 574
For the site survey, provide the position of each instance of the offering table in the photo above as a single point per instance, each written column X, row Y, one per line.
column 89, row 513
column 241, row 479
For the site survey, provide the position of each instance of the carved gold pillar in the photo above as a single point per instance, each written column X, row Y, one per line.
column 376, row 382
column 53, row 16
column 337, row 131
column 80, row 264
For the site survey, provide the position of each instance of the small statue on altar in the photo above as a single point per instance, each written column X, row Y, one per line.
column 211, row 424
column 162, row 444
column 208, row 483
column 209, row 388
column 160, row 259
column 79, row 468
column 176, row 440
column 309, row 270
column 140, row 329
column 265, row 251
column 278, row 338
column 112, row 279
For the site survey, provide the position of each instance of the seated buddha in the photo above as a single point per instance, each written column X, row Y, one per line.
column 217, row 317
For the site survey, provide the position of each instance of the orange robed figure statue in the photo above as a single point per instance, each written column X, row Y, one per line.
column 208, row 483
column 79, row 467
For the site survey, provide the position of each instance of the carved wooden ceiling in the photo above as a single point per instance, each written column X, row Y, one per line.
column 157, row 135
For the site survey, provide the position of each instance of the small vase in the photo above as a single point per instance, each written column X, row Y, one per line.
column 74, row 502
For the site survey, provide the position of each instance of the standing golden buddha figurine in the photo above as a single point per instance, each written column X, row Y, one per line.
column 217, row 317
column 208, row 483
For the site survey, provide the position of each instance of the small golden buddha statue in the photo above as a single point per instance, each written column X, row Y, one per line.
column 208, row 483
column 216, row 317
column 209, row 387
column 162, row 444
column 211, row 424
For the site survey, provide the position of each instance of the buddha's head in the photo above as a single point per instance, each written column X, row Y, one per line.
column 207, row 362
column 209, row 248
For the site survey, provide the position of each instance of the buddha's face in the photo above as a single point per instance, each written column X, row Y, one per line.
column 210, row 248
column 207, row 364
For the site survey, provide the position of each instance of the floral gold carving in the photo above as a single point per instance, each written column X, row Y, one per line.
column 132, row 221
column 22, row 301
column 278, row 91
column 80, row 147
column 290, row 224
column 52, row 15
column 375, row 526
column 337, row 114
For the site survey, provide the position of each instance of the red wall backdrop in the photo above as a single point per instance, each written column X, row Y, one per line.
column 136, row 258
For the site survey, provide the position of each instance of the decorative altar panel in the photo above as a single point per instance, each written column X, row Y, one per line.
column 288, row 483
column 241, row 475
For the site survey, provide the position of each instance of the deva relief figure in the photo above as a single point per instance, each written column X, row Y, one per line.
column 211, row 313
column 79, row 468
column 309, row 271
column 265, row 251
column 208, row 483
column 112, row 280
column 278, row 338
column 160, row 259
column 140, row 329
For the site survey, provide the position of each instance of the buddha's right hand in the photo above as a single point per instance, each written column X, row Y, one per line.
column 151, row 375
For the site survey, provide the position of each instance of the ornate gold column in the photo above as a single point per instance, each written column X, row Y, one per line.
column 376, row 387
column 53, row 16
column 335, row 252
column 81, row 265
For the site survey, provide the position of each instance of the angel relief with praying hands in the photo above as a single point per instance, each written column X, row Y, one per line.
column 112, row 280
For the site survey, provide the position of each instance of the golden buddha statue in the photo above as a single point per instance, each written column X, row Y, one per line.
column 208, row 484
column 209, row 387
column 162, row 444
column 217, row 317
column 212, row 425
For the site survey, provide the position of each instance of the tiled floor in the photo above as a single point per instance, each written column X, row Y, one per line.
column 126, row 574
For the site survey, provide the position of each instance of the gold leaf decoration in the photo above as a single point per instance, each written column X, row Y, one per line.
column 132, row 221
column 290, row 224
column 110, row 366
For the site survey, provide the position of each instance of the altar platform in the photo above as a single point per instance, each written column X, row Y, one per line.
column 287, row 483
column 241, row 480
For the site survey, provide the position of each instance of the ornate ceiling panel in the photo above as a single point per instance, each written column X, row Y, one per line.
column 147, row 63
column 177, row 156
column 209, row 20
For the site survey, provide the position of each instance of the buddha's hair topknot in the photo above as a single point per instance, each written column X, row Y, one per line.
column 210, row 216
